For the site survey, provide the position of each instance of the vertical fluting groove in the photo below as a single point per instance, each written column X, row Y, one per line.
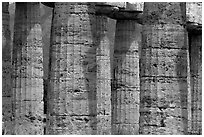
column 103, row 81
column 72, row 70
column 163, row 70
column 23, row 63
column 6, row 71
column 72, row 60
column 125, row 96
column 27, row 70
column 196, row 83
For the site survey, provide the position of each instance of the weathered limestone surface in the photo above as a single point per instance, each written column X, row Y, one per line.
column 111, row 36
column 81, row 56
column 116, row 4
column 163, row 70
column 72, row 106
column 27, row 70
column 196, row 83
column 127, row 5
column 6, row 70
column 139, row 6
column 103, row 81
column 125, row 92
column 194, row 12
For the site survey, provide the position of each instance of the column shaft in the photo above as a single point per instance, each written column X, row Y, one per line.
column 125, row 93
column 163, row 73
column 72, row 75
column 27, row 70
column 6, row 70
column 196, row 83
column 103, row 81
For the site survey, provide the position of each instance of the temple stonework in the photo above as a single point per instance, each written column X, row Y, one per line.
column 102, row 68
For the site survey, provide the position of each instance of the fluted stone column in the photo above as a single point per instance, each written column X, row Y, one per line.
column 103, row 81
column 194, row 27
column 163, row 70
column 72, row 75
column 125, row 92
column 27, row 70
column 196, row 83
column 6, row 69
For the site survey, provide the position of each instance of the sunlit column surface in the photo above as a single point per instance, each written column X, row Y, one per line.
column 125, row 92
column 72, row 106
column 163, row 69
column 27, row 70
column 103, row 81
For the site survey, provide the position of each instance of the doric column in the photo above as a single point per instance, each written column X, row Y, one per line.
column 6, row 70
column 194, row 27
column 72, row 75
column 163, row 69
column 125, row 92
column 27, row 70
column 103, row 81
column 196, row 83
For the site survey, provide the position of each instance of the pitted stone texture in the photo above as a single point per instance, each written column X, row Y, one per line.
column 72, row 125
column 163, row 92
column 160, row 36
column 27, row 70
column 157, row 121
column 103, row 81
column 72, row 74
column 196, row 84
column 27, row 124
column 137, row 6
column 125, row 92
column 154, row 130
column 163, row 70
column 104, row 125
column 163, row 85
column 194, row 12
column 164, row 13
column 7, row 117
column 126, row 129
column 164, row 62
column 6, row 70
